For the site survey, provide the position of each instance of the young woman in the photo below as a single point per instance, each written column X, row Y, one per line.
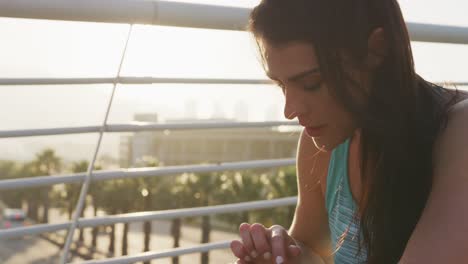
column 382, row 163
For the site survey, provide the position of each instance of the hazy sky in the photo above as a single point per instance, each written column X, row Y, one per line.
column 34, row 48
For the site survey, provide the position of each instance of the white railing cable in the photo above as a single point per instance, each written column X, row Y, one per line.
column 157, row 12
column 128, row 80
column 87, row 181
column 144, row 172
column 141, row 126
column 149, row 216
column 150, row 255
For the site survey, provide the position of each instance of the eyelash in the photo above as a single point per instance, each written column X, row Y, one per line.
column 307, row 88
column 313, row 87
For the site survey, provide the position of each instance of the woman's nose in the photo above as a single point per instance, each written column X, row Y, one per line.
column 293, row 105
column 289, row 113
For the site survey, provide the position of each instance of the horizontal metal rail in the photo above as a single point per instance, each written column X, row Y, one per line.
column 455, row 83
column 153, row 12
column 32, row 230
column 156, row 12
column 140, row 126
column 161, row 254
column 143, row 172
column 127, row 80
column 149, row 216
column 438, row 33
column 143, row 80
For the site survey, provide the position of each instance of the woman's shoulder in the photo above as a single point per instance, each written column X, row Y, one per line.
column 457, row 117
column 454, row 137
column 461, row 107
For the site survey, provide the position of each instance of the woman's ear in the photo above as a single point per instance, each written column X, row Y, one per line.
column 376, row 48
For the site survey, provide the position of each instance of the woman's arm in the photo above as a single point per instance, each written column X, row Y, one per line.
column 309, row 229
column 310, row 224
column 308, row 257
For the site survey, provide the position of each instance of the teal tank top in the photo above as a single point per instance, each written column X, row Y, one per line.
column 341, row 208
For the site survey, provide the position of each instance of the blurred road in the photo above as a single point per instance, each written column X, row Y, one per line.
column 32, row 250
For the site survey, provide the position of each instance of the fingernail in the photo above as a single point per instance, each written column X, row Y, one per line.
column 294, row 246
column 279, row 260
column 267, row 255
column 247, row 258
column 254, row 254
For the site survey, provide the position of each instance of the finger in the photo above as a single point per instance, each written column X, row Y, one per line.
column 239, row 251
column 294, row 251
column 244, row 230
column 278, row 244
column 259, row 236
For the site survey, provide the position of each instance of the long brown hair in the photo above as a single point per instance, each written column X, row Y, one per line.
column 399, row 121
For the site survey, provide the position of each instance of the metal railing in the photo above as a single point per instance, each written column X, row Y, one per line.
column 147, row 216
column 138, row 126
column 142, row 172
column 155, row 13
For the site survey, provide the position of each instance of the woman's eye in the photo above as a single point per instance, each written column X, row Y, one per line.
column 313, row 87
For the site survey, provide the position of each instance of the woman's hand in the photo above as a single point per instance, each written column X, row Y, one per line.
column 261, row 245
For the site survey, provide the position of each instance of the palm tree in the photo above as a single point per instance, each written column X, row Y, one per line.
column 129, row 196
column 199, row 190
column 77, row 167
column 183, row 196
column 95, row 191
column 147, row 199
column 8, row 170
column 251, row 185
column 116, row 196
column 66, row 198
column 46, row 163
column 246, row 186
column 155, row 194
column 281, row 184
column 207, row 185
column 33, row 195
column 121, row 196
column 109, row 189
column 160, row 193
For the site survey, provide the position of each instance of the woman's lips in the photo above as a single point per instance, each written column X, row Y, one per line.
column 314, row 131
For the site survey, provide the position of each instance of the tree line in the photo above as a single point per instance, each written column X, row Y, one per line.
column 150, row 194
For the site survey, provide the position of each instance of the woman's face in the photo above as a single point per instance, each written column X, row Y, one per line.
column 294, row 67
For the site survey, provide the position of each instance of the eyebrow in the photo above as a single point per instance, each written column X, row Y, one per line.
column 297, row 76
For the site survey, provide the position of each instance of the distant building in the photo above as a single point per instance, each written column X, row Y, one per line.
column 146, row 117
column 137, row 145
column 178, row 147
